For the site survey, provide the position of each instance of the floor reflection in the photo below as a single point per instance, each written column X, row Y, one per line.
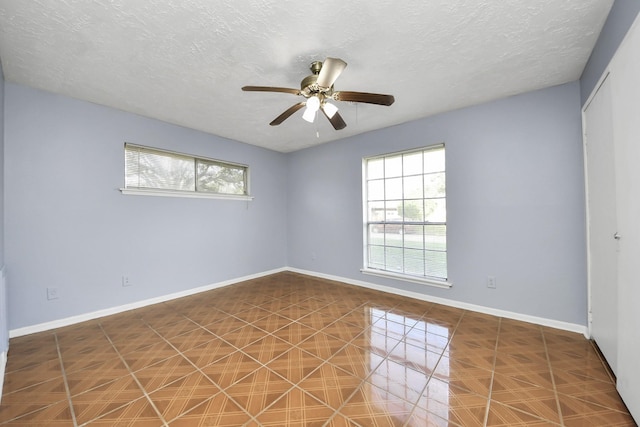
column 405, row 351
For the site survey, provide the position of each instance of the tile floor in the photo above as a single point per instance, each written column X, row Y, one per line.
column 292, row 350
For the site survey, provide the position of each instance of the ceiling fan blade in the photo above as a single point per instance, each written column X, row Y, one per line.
column 336, row 120
column 284, row 116
column 271, row 89
column 369, row 98
column 331, row 69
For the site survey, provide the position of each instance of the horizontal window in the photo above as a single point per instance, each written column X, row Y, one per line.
column 176, row 173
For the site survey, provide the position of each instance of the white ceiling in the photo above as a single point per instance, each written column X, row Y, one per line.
column 184, row 61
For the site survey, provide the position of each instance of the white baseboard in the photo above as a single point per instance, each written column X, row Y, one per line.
column 557, row 324
column 41, row 327
column 3, row 366
column 571, row 327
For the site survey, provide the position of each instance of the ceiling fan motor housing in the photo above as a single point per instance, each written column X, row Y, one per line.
column 307, row 84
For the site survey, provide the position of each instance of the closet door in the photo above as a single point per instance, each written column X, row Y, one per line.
column 601, row 208
column 625, row 96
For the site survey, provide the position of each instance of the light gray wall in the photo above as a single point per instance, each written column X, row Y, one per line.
column 1, row 167
column 515, row 198
column 620, row 18
column 68, row 226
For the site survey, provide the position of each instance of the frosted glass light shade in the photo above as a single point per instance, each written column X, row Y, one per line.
column 309, row 115
column 313, row 103
column 330, row 109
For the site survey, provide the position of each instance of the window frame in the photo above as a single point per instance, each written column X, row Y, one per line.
column 367, row 269
column 195, row 193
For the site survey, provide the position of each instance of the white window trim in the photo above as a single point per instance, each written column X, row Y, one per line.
column 426, row 280
column 407, row 278
column 159, row 192
column 184, row 194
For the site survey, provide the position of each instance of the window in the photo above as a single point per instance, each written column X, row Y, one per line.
column 169, row 173
column 406, row 215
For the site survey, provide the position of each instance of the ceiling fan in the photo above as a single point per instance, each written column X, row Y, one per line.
column 318, row 91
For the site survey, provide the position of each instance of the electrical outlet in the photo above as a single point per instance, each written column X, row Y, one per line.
column 491, row 282
column 125, row 281
column 52, row 293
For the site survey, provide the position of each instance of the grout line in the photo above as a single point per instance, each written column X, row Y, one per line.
column 553, row 380
column 493, row 371
column 263, row 365
column 362, row 380
column 144, row 391
column 200, row 370
column 386, row 358
column 464, row 312
column 66, row 383
column 366, row 344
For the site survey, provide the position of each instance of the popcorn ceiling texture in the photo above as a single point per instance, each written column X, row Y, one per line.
column 184, row 62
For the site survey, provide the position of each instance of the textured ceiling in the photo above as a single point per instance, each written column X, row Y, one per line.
column 184, row 61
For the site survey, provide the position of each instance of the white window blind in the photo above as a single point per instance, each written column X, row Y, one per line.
column 150, row 168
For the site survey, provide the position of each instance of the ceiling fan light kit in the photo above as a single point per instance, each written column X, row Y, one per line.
column 312, row 108
column 329, row 109
column 317, row 88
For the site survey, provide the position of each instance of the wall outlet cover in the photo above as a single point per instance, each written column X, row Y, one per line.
column 491, row 282
column 52, row 293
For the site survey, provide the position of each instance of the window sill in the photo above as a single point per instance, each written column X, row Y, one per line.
column 421, row 280
column 188, row 194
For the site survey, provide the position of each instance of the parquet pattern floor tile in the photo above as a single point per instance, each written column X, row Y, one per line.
column 295, row 350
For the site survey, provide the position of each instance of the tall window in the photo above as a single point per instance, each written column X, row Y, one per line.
column 150, row 168
column 406, row 214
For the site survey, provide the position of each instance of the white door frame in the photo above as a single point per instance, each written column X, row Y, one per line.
column 586, row 194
